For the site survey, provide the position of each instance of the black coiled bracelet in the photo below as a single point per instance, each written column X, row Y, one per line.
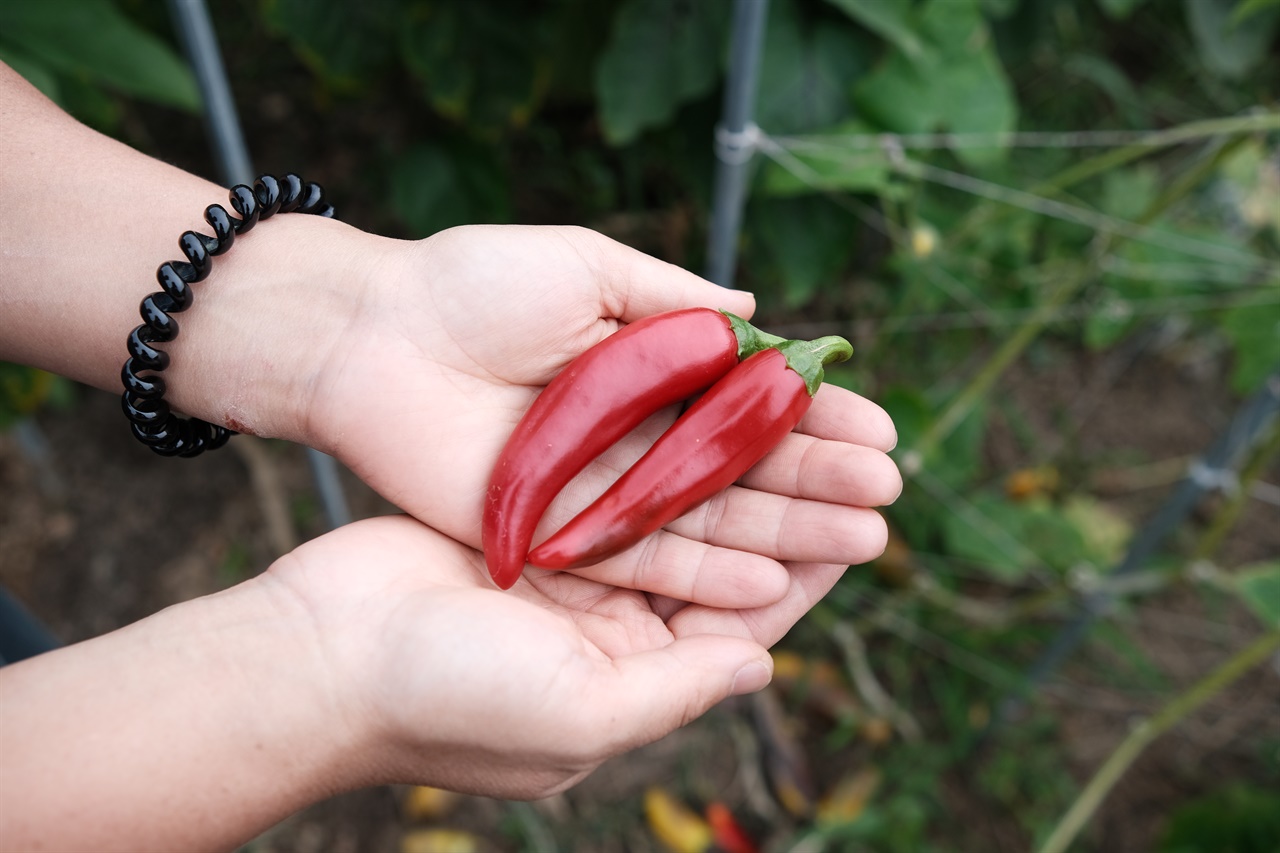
column 152, row 421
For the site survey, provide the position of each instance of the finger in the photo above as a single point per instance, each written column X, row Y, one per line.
column 809, row 582
column 636, row 285
column 839, row 414
column 666, row 564
column 653, row 693
column 802, row 466
column 615, row 621
column 785, row 528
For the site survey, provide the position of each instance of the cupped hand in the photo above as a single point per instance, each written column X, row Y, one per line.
column 458, row 334
column 445, row 680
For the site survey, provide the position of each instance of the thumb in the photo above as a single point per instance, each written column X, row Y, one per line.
column 658, row 691
column 635, row 285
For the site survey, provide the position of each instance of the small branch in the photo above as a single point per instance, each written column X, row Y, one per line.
column 1132, row 746
column 35, row 449
column 269, row 489
column 869, row 688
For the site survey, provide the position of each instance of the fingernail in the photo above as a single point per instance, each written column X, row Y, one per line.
column 752, row 678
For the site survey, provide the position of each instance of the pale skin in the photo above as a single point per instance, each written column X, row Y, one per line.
column 381, row 652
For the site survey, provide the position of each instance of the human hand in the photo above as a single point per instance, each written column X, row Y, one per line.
column 375, row 654
column 457, row 334
column 441, row 679
column 411, row 362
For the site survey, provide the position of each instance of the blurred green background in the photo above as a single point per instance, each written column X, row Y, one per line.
column 1051, row 229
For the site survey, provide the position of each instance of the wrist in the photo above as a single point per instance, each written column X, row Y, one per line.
column 196, row 728
column 265, row 324
column 303, row 716
column 282, row 714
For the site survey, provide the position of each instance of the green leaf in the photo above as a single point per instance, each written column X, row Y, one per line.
column 35, row 72
column 1226, row 50
column 958, row 459
column 985, row 531
column 809, row 241
column 1118, row 10
column 1112, row 80
column 1133, row 667
column 806, row 71
column 91, row 38
column 1240, row 818
column 90, row 104
column 1246, row 9
column 964, row 89
column 910, row 411
column 1108, row 322
column 345, row 43
column 889, row 19
column 1126, row 193
column 1136, row 273
column 437, row 185
column 661, row 54
column 1259, row 588
column 1252, row 177
column 507, row 71
column 1010, row 539
column 1104, row 533
column 25, row 390
column 998, row 9
column 1255, row 335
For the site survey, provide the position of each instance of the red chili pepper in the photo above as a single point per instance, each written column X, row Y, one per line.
column 729, row 429
column 600, row 397
column 728, row 834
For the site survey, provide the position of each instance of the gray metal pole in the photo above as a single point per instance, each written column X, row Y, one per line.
column 195, row 30
column 734, row 145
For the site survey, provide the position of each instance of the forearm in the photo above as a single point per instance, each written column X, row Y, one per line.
column 84, row 223
column 196, row 728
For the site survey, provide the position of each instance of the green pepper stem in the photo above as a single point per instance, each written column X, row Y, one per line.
column 804, row 357
column 809, row 357
column 750, row 339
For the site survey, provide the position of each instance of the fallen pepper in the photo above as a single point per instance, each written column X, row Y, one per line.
column 728, row 430
column 601, row 396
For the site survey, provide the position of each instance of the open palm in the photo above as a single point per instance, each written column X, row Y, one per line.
column 536, row 686
column 464, row 329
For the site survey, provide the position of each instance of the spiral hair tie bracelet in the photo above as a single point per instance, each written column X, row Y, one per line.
column 152, row 421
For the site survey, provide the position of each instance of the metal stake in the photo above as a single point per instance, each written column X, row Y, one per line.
column 735, row 143
column 195, row 30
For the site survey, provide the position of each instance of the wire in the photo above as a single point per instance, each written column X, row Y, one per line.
column 1079, row 215
column 1118, row 309
column 1033, row 139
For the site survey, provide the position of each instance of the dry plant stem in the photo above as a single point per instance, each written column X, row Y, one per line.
column 964, row 402
column 983, row 217
column 1071, row 282
column 270, row 491
column 869, row 688
column 1147, row 731
column 750, row 775
column 532, row 826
